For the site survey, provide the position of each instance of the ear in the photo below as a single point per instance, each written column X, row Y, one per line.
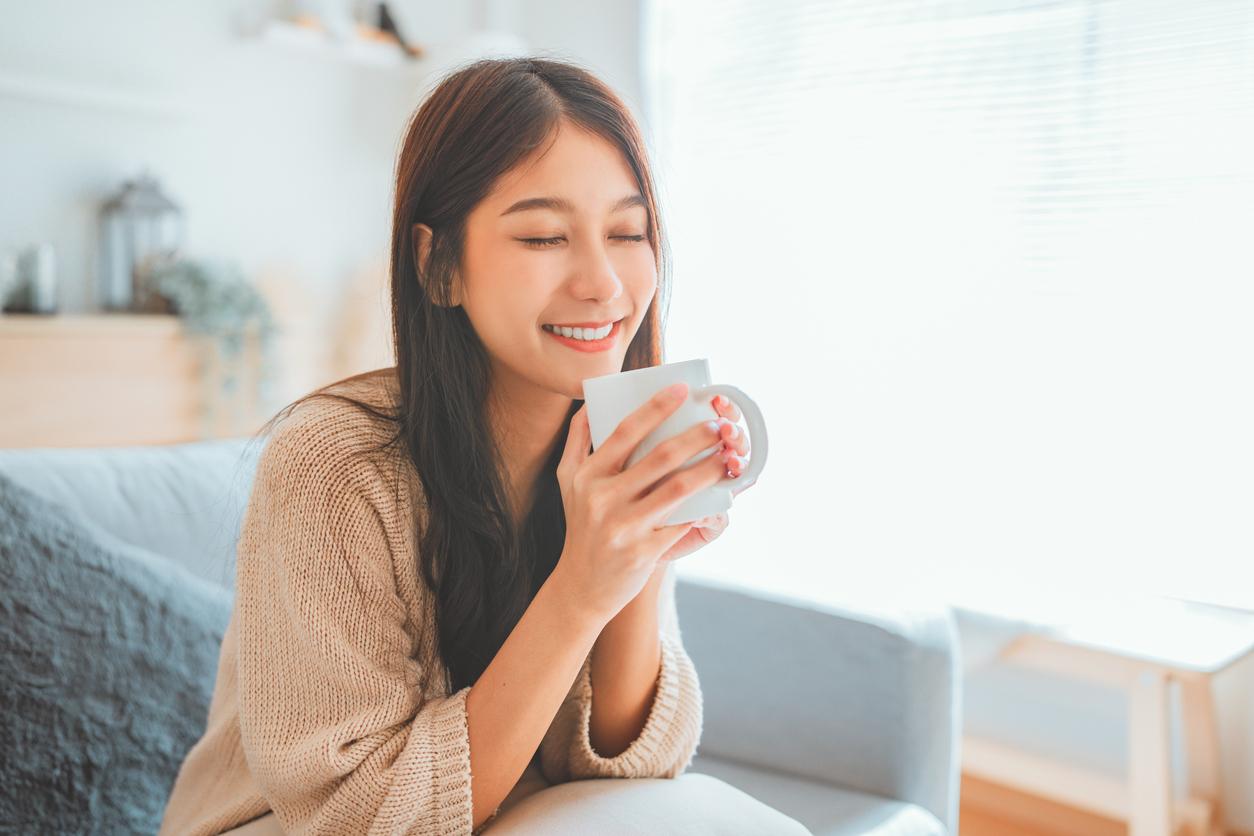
column 421, row 237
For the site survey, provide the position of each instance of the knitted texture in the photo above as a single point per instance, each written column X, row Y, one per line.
column 106, row 667
column 332, row 706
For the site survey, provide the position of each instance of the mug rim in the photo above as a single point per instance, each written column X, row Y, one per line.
column 692, row 361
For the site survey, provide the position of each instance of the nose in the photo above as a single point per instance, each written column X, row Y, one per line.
column 595, row 278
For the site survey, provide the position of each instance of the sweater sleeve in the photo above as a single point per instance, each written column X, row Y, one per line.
column 334, row 725
column 668, row 741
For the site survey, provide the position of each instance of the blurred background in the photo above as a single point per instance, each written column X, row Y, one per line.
column 995, row 279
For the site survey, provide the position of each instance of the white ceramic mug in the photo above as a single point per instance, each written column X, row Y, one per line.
column 612, row 397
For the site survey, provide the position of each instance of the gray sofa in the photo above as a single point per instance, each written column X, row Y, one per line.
column 847, row 720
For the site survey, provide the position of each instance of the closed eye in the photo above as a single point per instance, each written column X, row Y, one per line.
column 543, row 243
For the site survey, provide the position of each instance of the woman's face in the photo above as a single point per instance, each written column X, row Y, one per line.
column 589, row 263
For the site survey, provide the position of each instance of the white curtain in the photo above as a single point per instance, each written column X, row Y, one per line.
column 988, row 268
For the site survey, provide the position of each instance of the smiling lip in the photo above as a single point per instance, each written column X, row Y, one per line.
column 592, row 325
column 603, row 344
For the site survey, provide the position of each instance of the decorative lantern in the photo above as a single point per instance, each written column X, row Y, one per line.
column 140, row 227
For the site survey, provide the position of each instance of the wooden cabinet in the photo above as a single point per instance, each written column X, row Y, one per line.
column 110, row 379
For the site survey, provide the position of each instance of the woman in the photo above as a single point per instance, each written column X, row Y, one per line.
column 434, row 575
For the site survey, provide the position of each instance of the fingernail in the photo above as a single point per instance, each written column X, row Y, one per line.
column 676, row 390
column 712, row 426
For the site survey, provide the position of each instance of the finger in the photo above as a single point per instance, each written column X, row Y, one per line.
column 714, row 523
column 669, row 456
column 709, row 535
column 612, row 455
column 674, row 489
column 578, row 439
column 724, row 406
column 736, row 465
column 734, row 438
column 661, row 539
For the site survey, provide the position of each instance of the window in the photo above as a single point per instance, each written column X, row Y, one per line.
column 988, row 268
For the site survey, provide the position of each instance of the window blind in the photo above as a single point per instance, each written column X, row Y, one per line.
column 986, row 265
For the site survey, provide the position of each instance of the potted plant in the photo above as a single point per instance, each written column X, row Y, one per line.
column 214, row 299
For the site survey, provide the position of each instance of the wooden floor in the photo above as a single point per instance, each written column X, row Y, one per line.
column 990, row 810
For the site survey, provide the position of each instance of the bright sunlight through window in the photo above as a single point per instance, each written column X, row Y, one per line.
column 988, row 269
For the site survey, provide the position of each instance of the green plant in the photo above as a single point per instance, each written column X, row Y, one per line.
column 215, row 299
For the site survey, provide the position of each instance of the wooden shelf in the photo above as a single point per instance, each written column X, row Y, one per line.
column 356, row 50
column 115, row 379
column 110, row 324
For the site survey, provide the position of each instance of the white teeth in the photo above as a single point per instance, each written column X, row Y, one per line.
column 581, row 333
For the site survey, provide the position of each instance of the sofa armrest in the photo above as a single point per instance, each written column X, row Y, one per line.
column 863, row 698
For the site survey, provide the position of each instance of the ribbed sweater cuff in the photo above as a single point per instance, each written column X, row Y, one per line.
column 439, row 749
column 668, row 740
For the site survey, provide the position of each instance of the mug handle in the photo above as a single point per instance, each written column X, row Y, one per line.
column 757, row 430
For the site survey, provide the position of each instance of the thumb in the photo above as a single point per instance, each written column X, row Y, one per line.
column 578, row 438
column 660, row 540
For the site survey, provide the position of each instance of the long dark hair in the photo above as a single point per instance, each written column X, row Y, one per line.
column 474, row 126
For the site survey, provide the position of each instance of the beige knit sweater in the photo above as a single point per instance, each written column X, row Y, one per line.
column 332, row 706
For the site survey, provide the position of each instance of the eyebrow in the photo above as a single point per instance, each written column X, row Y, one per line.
column 561, row 204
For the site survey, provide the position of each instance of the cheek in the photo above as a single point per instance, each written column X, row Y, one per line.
column 635, row 263
column 641, row 283
column 503, row 314
column 512, row 291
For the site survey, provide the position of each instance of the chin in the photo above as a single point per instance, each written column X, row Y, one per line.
column 574, row 388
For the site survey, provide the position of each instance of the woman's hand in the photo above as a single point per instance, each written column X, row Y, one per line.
column 735, row 441
column 615, row 534
column 734, row 452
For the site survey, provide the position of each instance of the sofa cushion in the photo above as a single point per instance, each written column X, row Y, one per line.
column 880, row 708
column 184, row 502
column 108, row 655
column 691, row 804
column 825, row 809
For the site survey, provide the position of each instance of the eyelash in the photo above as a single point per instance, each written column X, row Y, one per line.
column 545, row 243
